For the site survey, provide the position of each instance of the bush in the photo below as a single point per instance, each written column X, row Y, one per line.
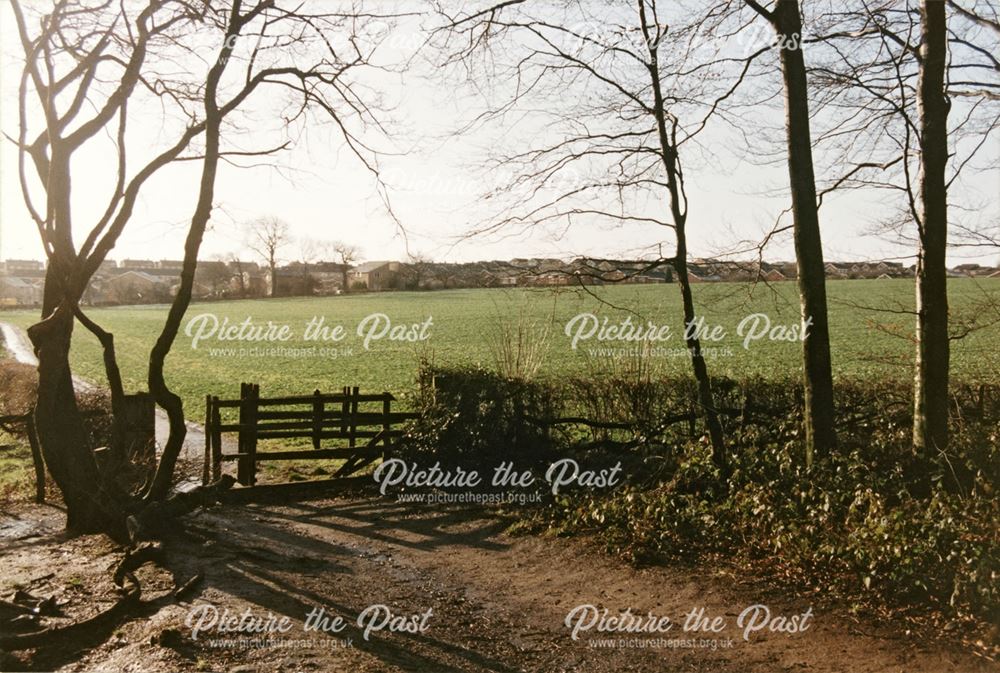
column 872, row 520
column 477, row 419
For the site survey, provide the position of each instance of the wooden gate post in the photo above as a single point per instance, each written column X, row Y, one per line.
column 318, row 408
column 354, row 416
column 206, row 468
column 253, row 407
column 386, row 425
column 243, row 464
column 216, row 439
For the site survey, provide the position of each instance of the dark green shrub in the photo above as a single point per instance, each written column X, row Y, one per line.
column 873, row 520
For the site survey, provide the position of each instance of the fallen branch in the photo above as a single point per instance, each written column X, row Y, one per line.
column 186, row 588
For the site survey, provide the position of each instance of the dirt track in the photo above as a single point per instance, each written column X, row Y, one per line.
column 498, row 602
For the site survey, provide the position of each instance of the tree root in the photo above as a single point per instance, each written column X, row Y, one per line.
column 129, row 603
column 150, row 520
column 134, row 559
column 126, row 604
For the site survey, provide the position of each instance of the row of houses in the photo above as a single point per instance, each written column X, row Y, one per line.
column 140, row 281
column 143, row 281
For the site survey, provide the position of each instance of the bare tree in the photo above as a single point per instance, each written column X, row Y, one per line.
column 930, row 394
column 239, row 272
column 418, row 266
column 217, row 274
column 266, row 236
column 618, row 102
column 786, row 19
column 87, row 71
column 346, row 256
column 908, row 99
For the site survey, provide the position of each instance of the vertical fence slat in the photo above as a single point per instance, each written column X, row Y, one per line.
column 354, row 415
column 318, row 407
column 386, row 424
column 206, row 469
column 216, row 440
column 253, row 408
column 345, row 407
column 243, row 464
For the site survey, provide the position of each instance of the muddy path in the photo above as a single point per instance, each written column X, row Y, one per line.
column 496, row 602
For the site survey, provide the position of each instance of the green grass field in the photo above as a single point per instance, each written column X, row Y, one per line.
column 871, row 335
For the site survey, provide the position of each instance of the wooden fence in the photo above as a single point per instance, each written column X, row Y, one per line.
column 356, row 427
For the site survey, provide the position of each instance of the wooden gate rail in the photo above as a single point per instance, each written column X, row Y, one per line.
column 362, row 436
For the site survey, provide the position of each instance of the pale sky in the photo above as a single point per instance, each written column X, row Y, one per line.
column 435, row 189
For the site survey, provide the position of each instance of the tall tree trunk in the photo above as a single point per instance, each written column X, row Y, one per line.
column 930, row 395
column 675, row 187
column 693, row 343
column 64, row 440
column 172, row 403
column 819, row 413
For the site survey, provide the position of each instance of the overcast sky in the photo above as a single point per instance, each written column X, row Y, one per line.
column 435, row 188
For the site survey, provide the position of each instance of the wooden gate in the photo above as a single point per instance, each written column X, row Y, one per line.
column 356, row 427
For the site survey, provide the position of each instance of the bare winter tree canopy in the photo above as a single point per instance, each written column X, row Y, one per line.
column 266, row 237
column 89, row 69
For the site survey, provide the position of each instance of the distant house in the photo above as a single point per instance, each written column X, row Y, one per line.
column 375, row 275
column 644, row 279
column 976, row 270
column 773, row 276
column 16, row 291
column 18, row 267
column 837, row 270
column 137, row 264
column 136, row 287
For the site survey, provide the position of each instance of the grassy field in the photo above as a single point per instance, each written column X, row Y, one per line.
column 871, row 331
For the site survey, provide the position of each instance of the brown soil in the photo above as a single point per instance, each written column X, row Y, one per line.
column 499, row 602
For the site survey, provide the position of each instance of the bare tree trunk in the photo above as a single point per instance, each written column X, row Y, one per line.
column 930, row 395
column 115, row 386
column 693, row 343
column 819, row 412
column 274, row 278
column 678, row 210
column 63, row 438
column 170, row 401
